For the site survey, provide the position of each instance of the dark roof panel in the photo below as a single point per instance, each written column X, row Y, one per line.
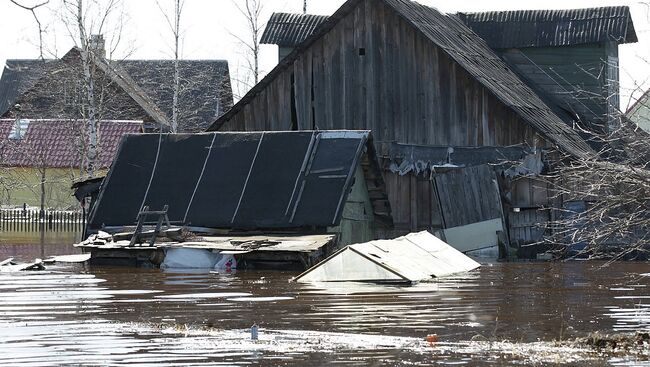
column 289, row 30
column 541, row 28
column 260, row 180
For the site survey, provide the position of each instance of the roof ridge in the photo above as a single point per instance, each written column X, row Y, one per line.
column 620, row 7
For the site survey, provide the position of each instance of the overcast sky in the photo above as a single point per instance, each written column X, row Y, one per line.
column 208, row 28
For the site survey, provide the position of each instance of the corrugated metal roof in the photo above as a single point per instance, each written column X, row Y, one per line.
column 289, row 30
column 471, row 52
column 540, row 28
column 58, row 143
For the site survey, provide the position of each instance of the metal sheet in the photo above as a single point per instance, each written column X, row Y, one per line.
column 411, row 258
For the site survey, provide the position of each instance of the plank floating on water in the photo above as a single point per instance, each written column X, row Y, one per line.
column 36, row 265
column 70, row 258
column 8, row 261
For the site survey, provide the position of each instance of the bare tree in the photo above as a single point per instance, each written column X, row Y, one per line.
column 174, row 24
column 32, row 9
column 252, row 12
column 82, row 30
column 605, row 199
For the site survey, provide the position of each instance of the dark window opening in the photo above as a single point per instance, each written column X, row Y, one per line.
column 294, row 113
column 362, row 51
column 313, row 103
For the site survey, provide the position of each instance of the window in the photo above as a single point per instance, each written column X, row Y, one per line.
column 19, row 129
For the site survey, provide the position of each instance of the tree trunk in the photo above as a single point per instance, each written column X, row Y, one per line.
column 177, row 76
column 89, row 84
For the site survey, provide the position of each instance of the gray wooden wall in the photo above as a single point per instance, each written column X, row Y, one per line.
column 403, row 88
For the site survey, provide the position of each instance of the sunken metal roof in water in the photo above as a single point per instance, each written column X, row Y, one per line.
column 542, row 28
column 289, row 30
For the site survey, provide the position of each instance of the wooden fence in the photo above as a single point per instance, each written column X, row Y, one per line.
column 19, row 220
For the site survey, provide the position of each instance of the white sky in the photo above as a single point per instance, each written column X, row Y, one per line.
column 208, row 26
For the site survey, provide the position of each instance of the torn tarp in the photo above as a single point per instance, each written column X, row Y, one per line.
column 408, row 259
column 405, row 158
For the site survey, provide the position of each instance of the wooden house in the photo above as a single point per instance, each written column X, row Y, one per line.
column 570, row 57
column 444, row 107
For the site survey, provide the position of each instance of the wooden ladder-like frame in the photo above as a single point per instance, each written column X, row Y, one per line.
column 142, row 217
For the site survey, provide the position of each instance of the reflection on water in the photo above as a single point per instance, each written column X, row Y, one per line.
column 497, row 315
column 26, row 246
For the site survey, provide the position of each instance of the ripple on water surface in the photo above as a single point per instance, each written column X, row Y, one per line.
column 90, row 316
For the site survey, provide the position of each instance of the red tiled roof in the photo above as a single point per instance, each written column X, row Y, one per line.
column 59, row 144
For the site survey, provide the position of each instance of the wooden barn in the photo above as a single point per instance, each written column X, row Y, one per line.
column 460, row 133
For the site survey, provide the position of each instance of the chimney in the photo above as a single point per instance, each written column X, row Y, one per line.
column 97, row 45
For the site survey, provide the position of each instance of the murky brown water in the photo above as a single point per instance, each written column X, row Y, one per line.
column 76, row 315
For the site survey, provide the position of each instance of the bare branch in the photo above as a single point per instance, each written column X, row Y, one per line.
column 32, row 9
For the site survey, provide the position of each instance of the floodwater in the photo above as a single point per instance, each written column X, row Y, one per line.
column 500, row 314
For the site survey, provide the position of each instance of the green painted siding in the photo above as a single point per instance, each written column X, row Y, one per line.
column 640, row 113
column 22, row 185
column 357, row 220
column 581, row 71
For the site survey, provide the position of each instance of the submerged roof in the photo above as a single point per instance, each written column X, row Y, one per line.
column 58, row 143
column 289, row 30
column 540, row 28
column 466, row 48
column 408, row 259
column 233, row 180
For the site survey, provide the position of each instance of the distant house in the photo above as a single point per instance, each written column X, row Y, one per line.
column 462, row 126
column 639, row 112
column 39, row 159
column 44, row 93
column 126, row 89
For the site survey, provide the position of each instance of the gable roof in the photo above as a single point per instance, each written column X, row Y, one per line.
column 206, row 90
column 58, row 143
column 541, row 28
column 205, row 87
column 466, row 48
column 247, row 180
column 18, row 76
column 289, row 30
